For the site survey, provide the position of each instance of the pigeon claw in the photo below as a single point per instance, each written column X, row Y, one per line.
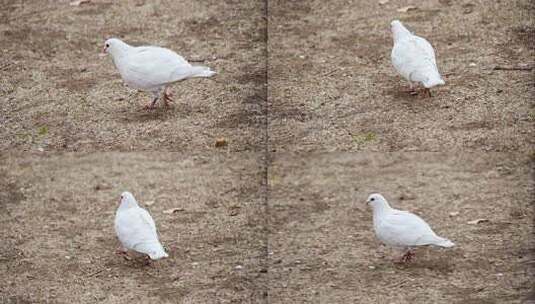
column 122, row 252
column 407, row 257
column 167, row 99
column 126, row 257
column 152, row 105
column 147, row 261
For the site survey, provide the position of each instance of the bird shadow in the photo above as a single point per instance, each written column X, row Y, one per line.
column 160, row 113
column 440, row 265
column 403, row 93
column 443, row 263
column 136, row 261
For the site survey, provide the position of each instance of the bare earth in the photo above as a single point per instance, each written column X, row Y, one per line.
column 309, row 117
column 333, row 88
column 322, row 246
column 59, row 94
column 58, row 240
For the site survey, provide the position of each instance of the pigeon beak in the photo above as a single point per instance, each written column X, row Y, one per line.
column 104, row 50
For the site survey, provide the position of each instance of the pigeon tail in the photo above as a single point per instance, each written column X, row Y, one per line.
column 433, row 81
column 201, row 71
column 442, row 242
column 399, row 31
column 156, row 255
column 153, row 249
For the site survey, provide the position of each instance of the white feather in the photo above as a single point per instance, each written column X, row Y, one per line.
column 402, row 229
column 414, row 57
column 136, row 229
column 151, row 68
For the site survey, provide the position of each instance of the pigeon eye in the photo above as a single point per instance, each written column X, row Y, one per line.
column 107, row 45
column 372, row 199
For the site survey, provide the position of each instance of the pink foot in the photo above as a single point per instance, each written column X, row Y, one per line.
column 406, row 258
column 151, row 105
column 123, row 252
column 167, row 97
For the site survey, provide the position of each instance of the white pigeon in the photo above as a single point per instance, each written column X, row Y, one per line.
column 136, row 230
column 151, row 68
column 402, row 229
column 414, row 58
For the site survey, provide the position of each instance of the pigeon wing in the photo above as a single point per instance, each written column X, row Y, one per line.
column 134, row 227
column 155, row 66
column 424, row 48
column 413, row 58
column 403, row 229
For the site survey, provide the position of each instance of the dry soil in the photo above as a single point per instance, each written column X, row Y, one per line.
column 309, row 117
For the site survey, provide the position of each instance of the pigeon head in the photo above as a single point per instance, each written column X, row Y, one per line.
column 127, row 200
column 114, row 46
column 376, row 200
column 396, row 23
column 398, row 30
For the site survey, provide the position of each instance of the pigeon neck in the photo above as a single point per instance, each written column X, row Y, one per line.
column 127, row 205
column 400, row 32
column 119, row 49
column 381, row 209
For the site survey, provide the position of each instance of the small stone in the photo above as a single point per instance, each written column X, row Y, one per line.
column 406, row 9
column 235, row 210
column 79, row 2
column 221, row 142
column 477, row 221
column 173, row 210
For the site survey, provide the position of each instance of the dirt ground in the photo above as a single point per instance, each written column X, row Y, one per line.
column 58, row 240
column 59, row 94
column 333, row 87
column 322, row 248
column 314, row 119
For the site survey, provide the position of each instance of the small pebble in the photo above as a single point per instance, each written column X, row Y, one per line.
column 221, row 142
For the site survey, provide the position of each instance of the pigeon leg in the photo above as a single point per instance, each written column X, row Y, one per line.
column 147, row 261
column 155, row 95
column 123, row 252
column 167, row 96
column 427, row 92
column 412, row 88
column 407, row 257
column 152, row 104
